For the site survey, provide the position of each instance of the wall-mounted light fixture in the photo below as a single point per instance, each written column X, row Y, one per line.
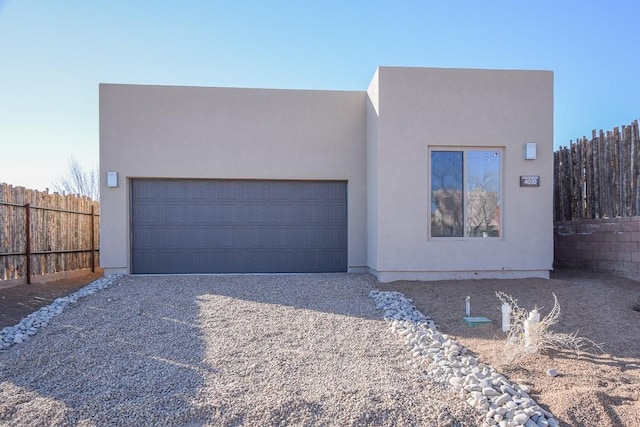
column 112, row 179
column 530, row 151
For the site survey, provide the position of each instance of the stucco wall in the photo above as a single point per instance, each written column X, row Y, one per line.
column 195, row 132
column 611, row 244
column 373, row 135
column 420, row 108
column 378, row 140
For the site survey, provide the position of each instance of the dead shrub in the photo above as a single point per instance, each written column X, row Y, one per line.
column 539, row 338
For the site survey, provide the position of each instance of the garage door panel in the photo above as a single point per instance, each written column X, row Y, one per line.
column 215, row 226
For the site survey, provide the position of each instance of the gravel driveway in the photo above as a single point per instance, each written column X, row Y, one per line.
column 222, row 350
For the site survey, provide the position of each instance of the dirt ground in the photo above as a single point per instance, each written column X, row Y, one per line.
column 19, row 301
column 599, row 388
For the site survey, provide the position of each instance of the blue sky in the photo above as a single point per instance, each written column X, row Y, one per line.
column 53, row 55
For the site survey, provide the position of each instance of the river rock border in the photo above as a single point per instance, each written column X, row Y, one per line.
column 503, row 404
column 30, row 325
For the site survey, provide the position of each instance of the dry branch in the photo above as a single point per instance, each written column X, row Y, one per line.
column 540, row 338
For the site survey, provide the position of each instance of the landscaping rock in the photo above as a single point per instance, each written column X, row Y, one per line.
column 481, row 386
column 30, row 325
column 521, row 418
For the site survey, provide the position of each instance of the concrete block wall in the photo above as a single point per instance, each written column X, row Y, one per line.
column 611, row 244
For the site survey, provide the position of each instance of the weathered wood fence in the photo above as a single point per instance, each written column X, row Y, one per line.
column 42, row 233
column 600, row 177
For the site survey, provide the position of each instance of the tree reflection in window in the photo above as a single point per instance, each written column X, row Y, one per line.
column 483, row 194
column 446, row 194
column 474, row 174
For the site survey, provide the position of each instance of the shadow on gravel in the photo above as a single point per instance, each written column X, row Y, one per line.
column 139, row 352
column 334, row 291
column 597, row 359
column 114, row 358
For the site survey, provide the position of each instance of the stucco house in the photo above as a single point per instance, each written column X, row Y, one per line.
column 428, row 174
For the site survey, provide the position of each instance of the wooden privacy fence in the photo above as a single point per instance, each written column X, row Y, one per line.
column 600, row 177
column 42, row 233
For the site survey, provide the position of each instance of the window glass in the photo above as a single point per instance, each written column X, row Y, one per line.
column 465, row 193
column 446, row 194
column 483, row 194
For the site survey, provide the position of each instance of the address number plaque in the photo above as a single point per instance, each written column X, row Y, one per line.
column 529, row 181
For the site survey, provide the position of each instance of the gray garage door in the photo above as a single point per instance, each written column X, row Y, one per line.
column 221, row 226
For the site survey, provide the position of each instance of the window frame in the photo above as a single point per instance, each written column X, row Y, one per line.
column 465, row 150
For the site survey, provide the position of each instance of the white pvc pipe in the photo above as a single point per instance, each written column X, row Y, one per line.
column 506, row 317
column 530, row 326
